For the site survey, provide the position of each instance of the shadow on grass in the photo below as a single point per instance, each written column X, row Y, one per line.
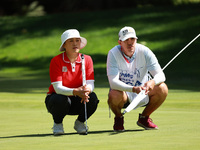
column 35, row 74
column 72, row 133
column 113, row 133
column 179, row 75
column 34, row 27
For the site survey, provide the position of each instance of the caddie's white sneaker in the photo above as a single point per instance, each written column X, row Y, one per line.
column 80, row 127
column 58, row 129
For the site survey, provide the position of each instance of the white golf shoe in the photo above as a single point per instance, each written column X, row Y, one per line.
column 80, row 127
column 58, row 129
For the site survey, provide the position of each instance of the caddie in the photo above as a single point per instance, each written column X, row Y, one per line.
column 128, row 65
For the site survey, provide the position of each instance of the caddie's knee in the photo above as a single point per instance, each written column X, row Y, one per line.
column 115, row 97
column 161, row 90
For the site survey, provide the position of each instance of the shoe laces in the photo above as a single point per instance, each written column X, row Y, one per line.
column 150, row 121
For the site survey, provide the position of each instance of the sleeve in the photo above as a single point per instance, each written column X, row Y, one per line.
column 89, row 68
column 116, row 84
column 113, row 75
column 112, row 67
column 152, row 62
column 60, row 89
column 89, row 72
column 90, row 84
column 55, row 70
column 158, row 77
column 154, row 68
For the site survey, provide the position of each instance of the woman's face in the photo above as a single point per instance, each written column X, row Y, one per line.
column 72, row 45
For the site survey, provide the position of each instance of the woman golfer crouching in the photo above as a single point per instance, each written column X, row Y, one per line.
column 67, row 95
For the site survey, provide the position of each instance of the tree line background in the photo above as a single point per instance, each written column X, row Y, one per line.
column 42, row 7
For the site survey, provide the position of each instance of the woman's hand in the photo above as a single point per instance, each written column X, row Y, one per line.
column 83, row 92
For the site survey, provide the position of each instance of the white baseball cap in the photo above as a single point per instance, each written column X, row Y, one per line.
column 127, row 32
column 72, row 33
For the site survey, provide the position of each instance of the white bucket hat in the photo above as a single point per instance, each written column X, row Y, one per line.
column 127, row 32
column 72, row 33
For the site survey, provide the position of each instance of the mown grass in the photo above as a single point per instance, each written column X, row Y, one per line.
column 31, row 42
column 28, row 44
column 25, row 124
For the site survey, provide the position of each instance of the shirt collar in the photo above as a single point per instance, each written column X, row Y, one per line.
column 66, row 59
column 128, row 59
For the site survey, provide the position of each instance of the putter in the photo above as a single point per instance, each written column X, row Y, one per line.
column 142, row 95
column 84, row 83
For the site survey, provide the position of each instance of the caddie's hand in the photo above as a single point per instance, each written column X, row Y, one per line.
column 149, row 86
column 137, row 89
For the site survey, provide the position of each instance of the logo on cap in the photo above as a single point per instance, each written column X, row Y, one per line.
column 124, row 32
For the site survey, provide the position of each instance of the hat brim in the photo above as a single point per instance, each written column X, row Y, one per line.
column 82, row 45
column 129, row 36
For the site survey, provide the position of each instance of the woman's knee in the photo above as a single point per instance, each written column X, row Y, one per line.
column 57, row 101
column 93, row 98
